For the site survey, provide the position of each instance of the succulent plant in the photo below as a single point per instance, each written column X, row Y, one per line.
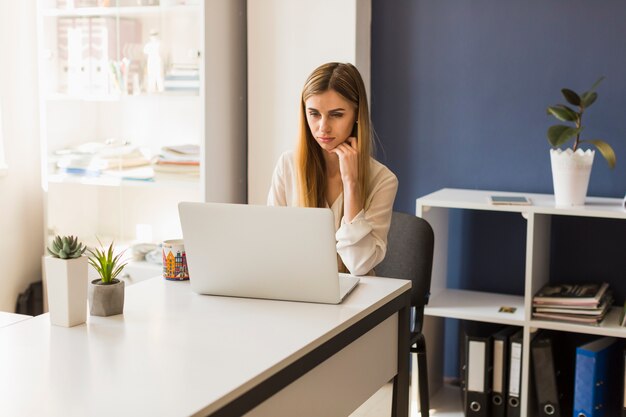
column 107, row 265
column 66, row 247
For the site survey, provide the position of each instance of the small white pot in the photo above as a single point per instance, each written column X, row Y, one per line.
column 66, row 285
column 570, row 175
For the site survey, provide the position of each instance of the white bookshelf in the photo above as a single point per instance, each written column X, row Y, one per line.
column 446, row 302
column 83, row 101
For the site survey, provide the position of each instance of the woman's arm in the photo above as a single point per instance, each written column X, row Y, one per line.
column 362, row 242
column 348, row 155
column 277, row 195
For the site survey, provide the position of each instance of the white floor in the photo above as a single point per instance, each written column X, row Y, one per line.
column 446, row 403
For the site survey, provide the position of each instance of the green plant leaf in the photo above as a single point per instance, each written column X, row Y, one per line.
column 106, row 263
column 559, row 134
column 597, row 83
column 605, row 149
column 588, row 98
column 571, row 96
column 563, row 113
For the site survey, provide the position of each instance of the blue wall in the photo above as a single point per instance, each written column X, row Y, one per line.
column 459, row 93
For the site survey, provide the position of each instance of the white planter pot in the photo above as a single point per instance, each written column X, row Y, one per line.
column 570, row 175
column 66, row 284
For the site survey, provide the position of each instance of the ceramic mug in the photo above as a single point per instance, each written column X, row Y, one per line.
column 174, row 260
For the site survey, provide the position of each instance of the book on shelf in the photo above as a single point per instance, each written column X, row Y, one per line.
column 177, row 169
column 181, row 151
column 575, row 313
column 161, row 161
column 571, row 294
column 99, row 156
column 573, row 318
column 605, row 304
column 178, row 159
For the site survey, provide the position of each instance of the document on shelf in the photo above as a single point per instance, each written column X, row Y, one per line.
column 508, row 200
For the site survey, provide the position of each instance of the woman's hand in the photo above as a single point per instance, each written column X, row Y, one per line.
column 348, row 155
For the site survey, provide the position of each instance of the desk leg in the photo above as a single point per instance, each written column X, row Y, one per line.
column 400, row 401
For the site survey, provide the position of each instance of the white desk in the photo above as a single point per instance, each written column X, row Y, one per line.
column 6, row 319
column 177, row 353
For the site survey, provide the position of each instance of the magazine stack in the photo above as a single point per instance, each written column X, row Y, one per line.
column 179, row 159
column 577, row 303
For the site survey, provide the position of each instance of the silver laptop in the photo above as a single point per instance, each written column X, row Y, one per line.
column 281, row 253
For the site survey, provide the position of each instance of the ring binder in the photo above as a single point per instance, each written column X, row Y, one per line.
column 545, row 377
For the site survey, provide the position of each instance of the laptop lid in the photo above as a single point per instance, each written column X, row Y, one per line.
column 284, row 253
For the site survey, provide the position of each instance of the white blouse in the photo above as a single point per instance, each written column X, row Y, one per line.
column 361, row 243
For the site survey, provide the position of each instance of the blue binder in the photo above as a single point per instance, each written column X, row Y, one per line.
column 592, row 384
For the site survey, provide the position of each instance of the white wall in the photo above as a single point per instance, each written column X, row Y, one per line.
column 21, row 196
column 287, row 39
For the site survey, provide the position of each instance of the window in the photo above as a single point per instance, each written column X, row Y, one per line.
column 3, row 165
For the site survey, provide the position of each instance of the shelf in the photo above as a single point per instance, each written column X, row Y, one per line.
column 131, row 11
column 484, row 306
column 165, row 181
column 160, row 181
column 475, row 305
column 541, row 203
column 100, row 98
column 608, row 326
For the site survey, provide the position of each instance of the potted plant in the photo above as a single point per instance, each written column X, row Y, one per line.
column 106, row 294
column 571, row 168
column 66, row 281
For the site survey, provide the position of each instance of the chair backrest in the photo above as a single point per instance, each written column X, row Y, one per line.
column 410, row 246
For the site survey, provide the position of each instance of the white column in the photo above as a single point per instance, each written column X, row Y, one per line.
column 225, row 101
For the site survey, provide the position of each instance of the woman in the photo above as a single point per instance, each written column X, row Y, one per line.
column 333, row 167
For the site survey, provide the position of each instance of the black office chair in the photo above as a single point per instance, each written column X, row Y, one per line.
column 410, row 247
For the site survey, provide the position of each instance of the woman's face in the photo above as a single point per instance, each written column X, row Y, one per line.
column 330, row 117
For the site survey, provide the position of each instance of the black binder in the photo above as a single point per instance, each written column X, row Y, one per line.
column 515, row 374
column 500, row 383
column 477, row 376
column 545, row 376
column 623, row 378
column 477, row 372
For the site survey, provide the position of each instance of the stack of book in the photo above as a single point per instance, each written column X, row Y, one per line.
column 179, row 159
column 578, row 303
column 182, row 78
column 112, row 157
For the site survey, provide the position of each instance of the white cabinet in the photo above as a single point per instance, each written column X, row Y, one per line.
column 120, row 82
column 446, row 302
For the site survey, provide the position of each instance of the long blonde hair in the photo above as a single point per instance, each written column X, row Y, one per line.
column 310, row 164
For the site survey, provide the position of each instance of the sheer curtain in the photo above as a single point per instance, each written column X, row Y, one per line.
column 3, row 165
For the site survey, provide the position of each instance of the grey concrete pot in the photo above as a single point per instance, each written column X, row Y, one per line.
column 106, row 299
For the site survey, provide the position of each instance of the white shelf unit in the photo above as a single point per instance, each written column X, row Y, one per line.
column 82, row 103
column 446, row 302
column 192, row 33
